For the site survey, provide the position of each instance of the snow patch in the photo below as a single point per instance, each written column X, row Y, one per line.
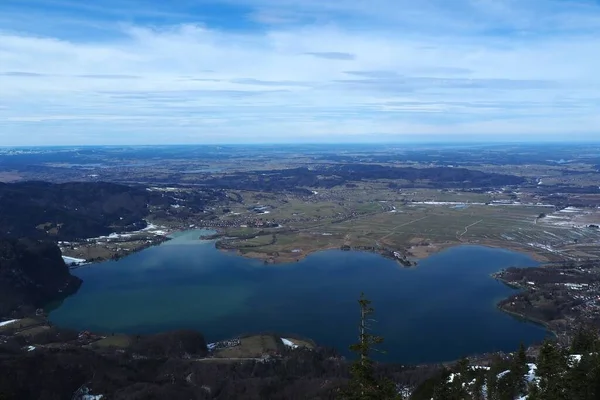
column 531, row 373
column 289, row 343
column 73, row 260
column 150, row 228
column 503, row 373
column 4, row 323
column 84, row 393
column 446, row 203
column 92, row 397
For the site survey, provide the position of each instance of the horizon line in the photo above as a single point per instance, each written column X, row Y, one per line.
column 428, row 142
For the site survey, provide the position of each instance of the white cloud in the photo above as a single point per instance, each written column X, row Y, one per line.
column 301, row 81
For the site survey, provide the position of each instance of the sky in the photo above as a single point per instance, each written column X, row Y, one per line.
column 288, row 71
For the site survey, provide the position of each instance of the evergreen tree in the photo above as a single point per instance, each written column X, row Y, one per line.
column 364, row 384
column 585, row 340
column 497, row 366
column 559, row 375
column 519, row 370
column 506, row 387
column 443, row 389
column 583, row 378
column 552, row 366
column 450, row 387
column 462, row 379
column 593, row 382
column 478, row 387
column 576, row 379
column 492, row 384
column 533, row 392
column 462, row 367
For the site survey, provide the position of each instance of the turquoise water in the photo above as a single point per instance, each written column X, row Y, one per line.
column 441, row 310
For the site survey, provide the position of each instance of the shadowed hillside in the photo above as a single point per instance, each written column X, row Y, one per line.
column 32, row 274
column 72, row 211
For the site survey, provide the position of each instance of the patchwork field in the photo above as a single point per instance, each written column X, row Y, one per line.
column 416, row 223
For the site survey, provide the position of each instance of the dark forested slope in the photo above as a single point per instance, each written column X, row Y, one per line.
column 32, row 274
column 72, row 210
column 295, row 179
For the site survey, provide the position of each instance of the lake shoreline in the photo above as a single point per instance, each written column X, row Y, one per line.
column 411, row 259
column 522, row 316
column 200, row 262
column 410, row 256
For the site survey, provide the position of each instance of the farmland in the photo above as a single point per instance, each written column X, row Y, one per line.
column 279, row 204
column 415, row 222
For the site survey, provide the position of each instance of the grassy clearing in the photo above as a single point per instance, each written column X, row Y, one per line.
column 34, row 330
column 251, row 347
column 116, row 341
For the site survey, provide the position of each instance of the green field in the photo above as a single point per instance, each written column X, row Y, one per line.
column 373, row 215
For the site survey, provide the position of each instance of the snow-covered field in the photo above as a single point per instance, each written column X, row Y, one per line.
column 572, row 217
column 493, row 203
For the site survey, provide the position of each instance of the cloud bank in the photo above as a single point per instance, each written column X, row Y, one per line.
column 242, row 71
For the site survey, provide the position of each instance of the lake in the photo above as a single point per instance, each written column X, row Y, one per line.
column 440, row 310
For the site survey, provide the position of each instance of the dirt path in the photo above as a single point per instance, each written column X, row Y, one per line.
column 467, row 228
column 401, row 225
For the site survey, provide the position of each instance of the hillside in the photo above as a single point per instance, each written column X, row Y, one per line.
column 72, row 211
column 32, row 274
column 59, row 372
column 551, row 372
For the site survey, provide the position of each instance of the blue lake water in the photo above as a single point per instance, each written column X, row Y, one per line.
column 441, row 310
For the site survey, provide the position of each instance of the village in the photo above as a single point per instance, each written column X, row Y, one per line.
column 562, row 296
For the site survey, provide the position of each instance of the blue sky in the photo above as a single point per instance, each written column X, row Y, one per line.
column 255, row 71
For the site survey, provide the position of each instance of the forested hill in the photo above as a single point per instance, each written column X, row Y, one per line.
column 72, row 211
column 32, row 274
column 328, row 176
column 168, row 367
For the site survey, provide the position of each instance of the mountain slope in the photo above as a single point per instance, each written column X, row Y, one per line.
column 72, row 211
column 32, row 274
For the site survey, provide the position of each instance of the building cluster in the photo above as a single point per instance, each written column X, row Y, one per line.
column 577, row 302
